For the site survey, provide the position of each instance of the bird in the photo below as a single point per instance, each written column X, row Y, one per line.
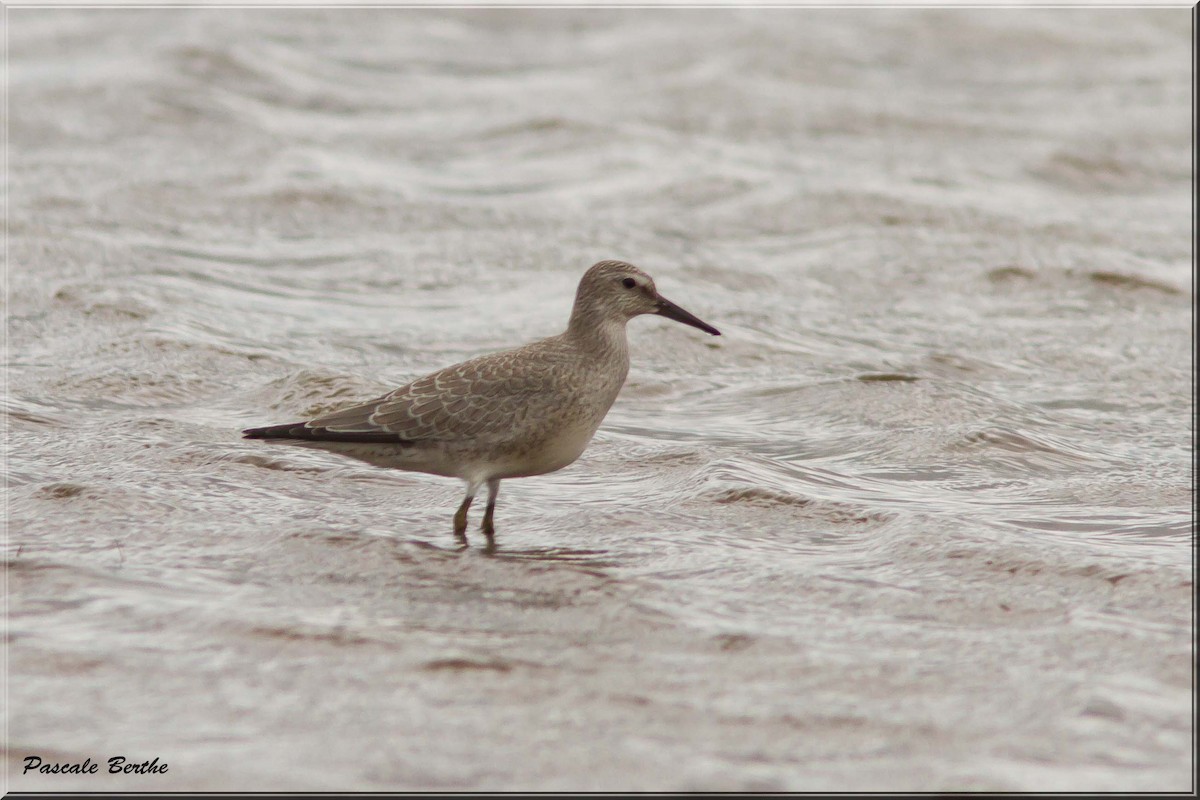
column 511, row 414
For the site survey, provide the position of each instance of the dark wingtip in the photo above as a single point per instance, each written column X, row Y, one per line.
column 274, row 431
column 302, row 432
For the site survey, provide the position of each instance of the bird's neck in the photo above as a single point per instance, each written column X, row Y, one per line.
column 594, row 331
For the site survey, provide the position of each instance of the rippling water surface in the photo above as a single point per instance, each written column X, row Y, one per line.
column 921, row 519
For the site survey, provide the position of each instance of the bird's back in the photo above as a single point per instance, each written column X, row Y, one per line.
column 517, row 412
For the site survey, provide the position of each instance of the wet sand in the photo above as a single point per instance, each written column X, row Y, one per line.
column 921, row 520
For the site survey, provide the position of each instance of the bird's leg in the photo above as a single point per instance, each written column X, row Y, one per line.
column 489, row 530
column 460, row 516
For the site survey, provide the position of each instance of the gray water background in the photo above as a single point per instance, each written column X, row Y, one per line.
column 922, row 519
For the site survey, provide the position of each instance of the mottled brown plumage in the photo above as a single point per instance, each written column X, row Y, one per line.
column 511, row 414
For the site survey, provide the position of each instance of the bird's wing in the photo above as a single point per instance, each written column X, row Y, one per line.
column 481, row 398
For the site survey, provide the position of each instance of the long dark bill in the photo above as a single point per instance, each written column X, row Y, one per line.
column 671, row 311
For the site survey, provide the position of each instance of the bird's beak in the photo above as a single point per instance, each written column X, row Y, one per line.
column 671, row 311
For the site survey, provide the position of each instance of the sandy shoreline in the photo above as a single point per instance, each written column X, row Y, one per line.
column 920, row 520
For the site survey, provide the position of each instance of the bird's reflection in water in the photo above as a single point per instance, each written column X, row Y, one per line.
column 490, row 547
column 561, row 555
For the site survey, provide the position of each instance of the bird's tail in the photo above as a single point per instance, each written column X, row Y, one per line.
column 303, row 432
column 290, row 430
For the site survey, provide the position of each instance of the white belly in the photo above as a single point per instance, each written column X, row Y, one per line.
column 553, row 454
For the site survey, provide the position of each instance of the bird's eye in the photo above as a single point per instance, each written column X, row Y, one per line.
column 629, row 283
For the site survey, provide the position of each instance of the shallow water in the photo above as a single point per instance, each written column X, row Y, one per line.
column 922, row 519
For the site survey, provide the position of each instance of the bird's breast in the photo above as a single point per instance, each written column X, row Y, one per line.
column 563, row 425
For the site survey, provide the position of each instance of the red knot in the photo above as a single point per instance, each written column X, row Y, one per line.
column 511, row 414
